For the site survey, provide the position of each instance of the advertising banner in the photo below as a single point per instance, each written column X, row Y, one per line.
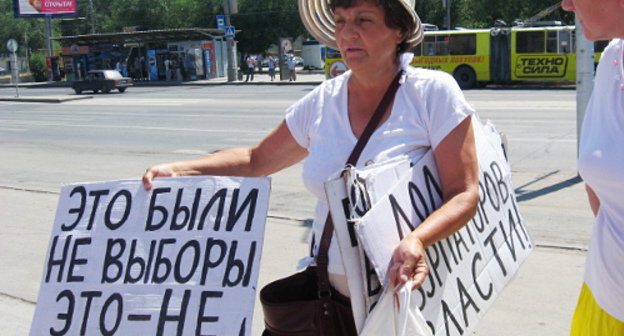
column 180, row 259
column 152, row 64
column 30, row 8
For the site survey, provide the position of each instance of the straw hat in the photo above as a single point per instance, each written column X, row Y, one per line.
column 319, row 21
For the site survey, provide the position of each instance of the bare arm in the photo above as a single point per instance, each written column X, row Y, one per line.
column 276, row 151
column 594, row 201
column 456, row 160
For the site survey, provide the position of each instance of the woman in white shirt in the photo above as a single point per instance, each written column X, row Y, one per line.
column 600, row 309
column 428, row 112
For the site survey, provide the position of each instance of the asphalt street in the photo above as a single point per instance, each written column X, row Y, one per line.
column 117, row 136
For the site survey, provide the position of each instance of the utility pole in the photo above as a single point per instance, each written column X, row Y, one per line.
column 229, row 6
column 48, row 32
column 447, row 19
column 584, row 77
column 92, row 16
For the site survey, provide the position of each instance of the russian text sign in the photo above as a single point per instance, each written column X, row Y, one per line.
column 39, row 8
column 468, row 269
column 180, row 259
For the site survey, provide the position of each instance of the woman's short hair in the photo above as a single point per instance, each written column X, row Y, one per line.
column 396, row 17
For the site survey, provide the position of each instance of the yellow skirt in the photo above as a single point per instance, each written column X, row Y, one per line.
column 591, row 320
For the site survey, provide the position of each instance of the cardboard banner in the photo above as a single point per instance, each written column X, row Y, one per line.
column 181, row 259
column 349, row 198
column 468, row 269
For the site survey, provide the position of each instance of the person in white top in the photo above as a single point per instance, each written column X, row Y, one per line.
column 428, row 112
column 167, row 64
column 292, row 68
column 251, row 66
column 600, row 309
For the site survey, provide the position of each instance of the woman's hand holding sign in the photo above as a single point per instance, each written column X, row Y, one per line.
column 160, row 170
column 408, row 262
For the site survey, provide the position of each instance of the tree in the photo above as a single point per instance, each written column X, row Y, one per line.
column 142, row 14
column 38, row 69
column 28, row 32
column 193, row 13
column 264, row 22
column 483, row 13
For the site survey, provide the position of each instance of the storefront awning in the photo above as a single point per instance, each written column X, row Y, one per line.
column 147, row 36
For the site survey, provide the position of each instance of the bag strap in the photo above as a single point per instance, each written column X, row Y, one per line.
column 322, row 258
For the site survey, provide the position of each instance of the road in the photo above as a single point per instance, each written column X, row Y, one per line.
column 117, row 136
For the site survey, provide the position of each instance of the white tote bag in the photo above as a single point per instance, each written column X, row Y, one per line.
column 396, row 314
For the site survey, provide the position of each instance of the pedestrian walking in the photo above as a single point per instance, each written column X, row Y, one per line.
column 291, row 63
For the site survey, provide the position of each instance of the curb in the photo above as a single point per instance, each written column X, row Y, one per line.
column 161, row 83
column 44, row 99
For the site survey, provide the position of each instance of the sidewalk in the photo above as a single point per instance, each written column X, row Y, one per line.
column 303, row 78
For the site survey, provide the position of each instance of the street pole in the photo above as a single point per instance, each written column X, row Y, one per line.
column 12, row 47
column 92, row 18
column 15, row 73
column 48, row 32
column 584, row 77
column 231, row 70
column 447, row 19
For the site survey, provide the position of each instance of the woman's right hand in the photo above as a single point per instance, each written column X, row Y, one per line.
column 160, row 170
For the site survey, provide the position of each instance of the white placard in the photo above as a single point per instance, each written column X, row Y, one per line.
column 468, row 269
column 181, row 259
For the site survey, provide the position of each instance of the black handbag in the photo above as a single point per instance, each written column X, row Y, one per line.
column 304, row 303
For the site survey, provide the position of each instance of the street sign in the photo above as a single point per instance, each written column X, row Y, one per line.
column 12, row 45
column 229, row 32
column 221, row 22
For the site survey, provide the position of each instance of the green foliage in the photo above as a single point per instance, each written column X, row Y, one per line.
column 29, row 33
column 38, row 69
column 264, row 22
column 483, row 13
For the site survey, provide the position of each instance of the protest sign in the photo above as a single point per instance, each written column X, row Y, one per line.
column 349, row 198
column 180, row 259
column 467, row 269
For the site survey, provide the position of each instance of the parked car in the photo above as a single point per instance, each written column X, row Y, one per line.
column 102, row 80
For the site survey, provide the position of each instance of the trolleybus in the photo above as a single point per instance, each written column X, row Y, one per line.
column 496, row 55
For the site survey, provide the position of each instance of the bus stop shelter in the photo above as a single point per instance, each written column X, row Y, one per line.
column 81, row 53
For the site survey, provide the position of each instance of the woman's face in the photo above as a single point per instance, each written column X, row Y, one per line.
column 364, row 39
column 601, row 19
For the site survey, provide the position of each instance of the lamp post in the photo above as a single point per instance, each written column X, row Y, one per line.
column 229, row 7
column 92, row 16
column 447, row 19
